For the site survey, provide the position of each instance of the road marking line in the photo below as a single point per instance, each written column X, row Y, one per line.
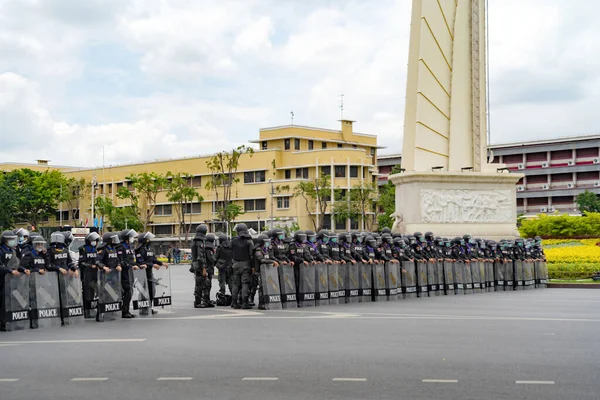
column 9, row 379
column 175, row 378
column 439, row 381
column 349, row 379
column 89, row 379
column 75, row 341
column 534, row 382
column 264, row 378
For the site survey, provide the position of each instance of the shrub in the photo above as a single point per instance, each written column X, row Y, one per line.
column 562, row 226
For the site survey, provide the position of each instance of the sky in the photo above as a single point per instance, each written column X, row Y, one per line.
column 153, row 79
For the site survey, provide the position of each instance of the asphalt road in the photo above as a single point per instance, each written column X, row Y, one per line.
column 541, row 344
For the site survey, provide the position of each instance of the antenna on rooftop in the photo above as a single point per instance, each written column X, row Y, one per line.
column 292, row 116
column 342, row 106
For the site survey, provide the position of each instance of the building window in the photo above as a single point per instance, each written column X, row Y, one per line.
column 340, row 225
column 163, row 229
column 296, row 144
column 286, row 144
column 288, row 174
column 254, row 176
column 353, row 224
column 65, row 215
column 353, row 172
column 217, row 205
column 323, row 145
column 339, row 145
column 119, row 186
column 372, row 151
column 326, row 170
column 311, row 144
column 327, row 222
column 255, row 205
column 283, row 202
column 165, row 209
column 340, row 171
column 196, row 181
column 354, row 146
column 264, row 145
column 193, row 208
column 301, row 173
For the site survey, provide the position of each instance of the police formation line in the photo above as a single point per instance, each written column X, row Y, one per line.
column 43, row 285
column 311, row 269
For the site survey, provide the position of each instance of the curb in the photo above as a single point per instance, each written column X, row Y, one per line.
column 573, row 285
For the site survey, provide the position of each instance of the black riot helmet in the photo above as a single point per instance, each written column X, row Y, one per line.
column 201, row 230
column 399, row 242
column 145, row 238
column 241, row 228
column 92, row 237
column 386, row 230
column 38, row 243
column 57, row 238
column 222, row 237
column 264, row 241
column 439, row 240
column 9, row 238
column 210, row 240
column 412, row 240
column 419, row 237
column 68, row 237
column 356, row 236
column 300, row 236
column 278, row 233
column 111, row 238
column 468, row 239
column 128, row 235
column 311, row 236
column 371, row 241
column 386, row 238
column 429, row 236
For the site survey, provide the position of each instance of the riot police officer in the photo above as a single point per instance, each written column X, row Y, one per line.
column 210, row 248
column 23, row 243
column 313, row 247
column 262, row 256
column 145, row 258
column 279, row 247
column 199, row 265
column 88, row 257
column 126, row 252
column 223, row 263
column 323, row 245
column 334, row 249
column 357, row 247
column 59, row 255
column 298, row 255
column 242, row 247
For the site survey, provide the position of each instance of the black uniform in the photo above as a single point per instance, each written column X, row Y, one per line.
column 60, row 258
column 324, row 250
column 145, row 256
column 262, row 256
column 127, row 257
column 88, row 266
column 199, row 268
column 242, row 247
column 224, row 257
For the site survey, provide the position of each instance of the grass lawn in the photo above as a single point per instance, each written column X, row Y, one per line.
column 574, row 281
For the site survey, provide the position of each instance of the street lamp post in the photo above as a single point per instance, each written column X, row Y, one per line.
column 272, row 193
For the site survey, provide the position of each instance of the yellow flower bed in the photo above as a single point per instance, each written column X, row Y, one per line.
column 572, row 258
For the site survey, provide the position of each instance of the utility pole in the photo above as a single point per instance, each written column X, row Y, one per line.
column 272, row 193
column 94, row 183
column 60, row 209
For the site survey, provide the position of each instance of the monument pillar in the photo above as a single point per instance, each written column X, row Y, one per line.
column 448, row 186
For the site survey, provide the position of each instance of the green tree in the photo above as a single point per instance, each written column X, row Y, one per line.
column 386, row 205
column 125, row 218
column 36, row 194
column 146, row 187
column 357, row 204
column 8, row 203
column 317, row 191
column 588, row 202
column 71, row 192
column 223, row 167
column 181, row 193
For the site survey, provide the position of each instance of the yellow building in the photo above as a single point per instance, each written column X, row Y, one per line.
column 283, row 156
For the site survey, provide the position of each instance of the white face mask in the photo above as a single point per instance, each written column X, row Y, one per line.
column 132, row 240
column 94, row 243
column 39, row 248
column 11, row 243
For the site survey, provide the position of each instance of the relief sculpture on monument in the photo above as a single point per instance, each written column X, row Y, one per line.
column 466, row 206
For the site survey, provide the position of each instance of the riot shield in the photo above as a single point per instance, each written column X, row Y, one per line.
column 468, row 277
column 409, row 279
column 459, row 276
column 499, row 276
column 379, row 289
column 482, row 276
column 334, row 291
column 529, row 281
column 432, row 282
column 306, row 295
column 90, row 292
column 422, row 289
column 509, row 275
column 353, row 282
column 391, row 280
column 270, row 286
column 365, row 290
column 475, row 273
column 140, row 299
column 109, row 295
column 15, row 303
column 44, row 300
column 544, row 273
column 287, row 284
column 71, row 299
column 342, row 277
column 540, row 277
column 449, row 285
column 519, row 274
column 322, row 285
column 489, row 276
column 161, row 289
column 439, row 268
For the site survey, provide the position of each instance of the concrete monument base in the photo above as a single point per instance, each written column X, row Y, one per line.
column 449, row 204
